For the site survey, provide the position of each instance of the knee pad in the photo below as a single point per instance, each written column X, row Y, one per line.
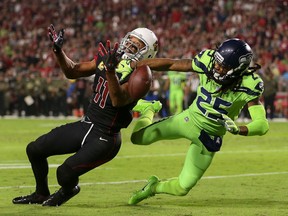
column 66, row 176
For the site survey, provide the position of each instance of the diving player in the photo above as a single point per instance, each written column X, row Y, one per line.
column 227, row 82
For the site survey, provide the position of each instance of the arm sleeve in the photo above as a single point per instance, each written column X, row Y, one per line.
column 259, row 125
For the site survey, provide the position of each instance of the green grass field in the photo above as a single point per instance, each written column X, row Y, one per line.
column 249, row 176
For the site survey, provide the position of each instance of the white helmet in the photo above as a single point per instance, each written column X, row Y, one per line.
column 147, row 37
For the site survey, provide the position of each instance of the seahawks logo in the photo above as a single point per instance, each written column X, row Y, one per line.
column 246, row 59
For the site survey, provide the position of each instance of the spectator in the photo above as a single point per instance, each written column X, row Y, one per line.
column 183, row 27
column 176, row 84
column 270, row 90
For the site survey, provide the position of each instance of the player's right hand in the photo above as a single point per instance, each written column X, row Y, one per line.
column 229, row 124
column 111, row 55
column 57, row 39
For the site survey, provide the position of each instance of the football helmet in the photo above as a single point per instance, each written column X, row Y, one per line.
column 148, row 51
column 235, row 56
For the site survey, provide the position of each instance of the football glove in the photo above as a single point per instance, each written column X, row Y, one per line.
column 57, row 39
column 111, row 55
column 229, row 124
column 124, row 68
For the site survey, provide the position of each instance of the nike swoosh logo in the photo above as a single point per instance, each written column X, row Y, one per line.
column 102, row 139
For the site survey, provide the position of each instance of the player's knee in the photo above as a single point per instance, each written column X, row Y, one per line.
column 32, row 151
column 66, row 176
column 134, row 139
column 137, row 138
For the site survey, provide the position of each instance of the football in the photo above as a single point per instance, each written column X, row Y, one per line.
column 140, row 82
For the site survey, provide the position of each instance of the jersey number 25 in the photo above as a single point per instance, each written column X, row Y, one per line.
column 219, row 105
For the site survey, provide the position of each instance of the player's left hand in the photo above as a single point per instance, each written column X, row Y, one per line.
column 57, row 39
column 111, row 55
column 229, row 124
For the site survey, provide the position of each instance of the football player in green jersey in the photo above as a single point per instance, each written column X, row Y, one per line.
column 176, row 83
column 227, row 82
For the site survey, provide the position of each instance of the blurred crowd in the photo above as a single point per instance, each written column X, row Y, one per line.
column 31, row 83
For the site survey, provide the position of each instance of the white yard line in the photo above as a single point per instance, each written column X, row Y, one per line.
column 20, row 165
column 137, row 181
column 24, row 165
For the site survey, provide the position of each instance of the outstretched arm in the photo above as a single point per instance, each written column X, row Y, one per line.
column 165, row 64
column 258, row 126
column 118, row 93
column 71, row 69
column 74, row 70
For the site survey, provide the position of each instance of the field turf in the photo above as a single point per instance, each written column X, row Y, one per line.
column 249, row 176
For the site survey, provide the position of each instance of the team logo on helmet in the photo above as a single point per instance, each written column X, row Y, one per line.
column 246, row 59
column 155, row 45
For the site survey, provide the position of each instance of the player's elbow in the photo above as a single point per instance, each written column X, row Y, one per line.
column 120, row 98
column 259, row 127
column 265, row 128
column 118, row 102
column 70, row 74
column 69, row 77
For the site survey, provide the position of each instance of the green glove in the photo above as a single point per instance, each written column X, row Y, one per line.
column 124, row 68
column 229, row 124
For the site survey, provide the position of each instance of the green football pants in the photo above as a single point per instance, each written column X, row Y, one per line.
column 197, row 160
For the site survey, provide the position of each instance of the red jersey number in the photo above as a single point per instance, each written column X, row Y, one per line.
column 101, row 92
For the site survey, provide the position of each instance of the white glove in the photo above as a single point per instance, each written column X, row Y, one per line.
column 229, row 124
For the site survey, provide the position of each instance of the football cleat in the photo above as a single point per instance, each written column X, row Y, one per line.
column 143, row 105
column 145, row 193
column 59, row 197
column 33, row 198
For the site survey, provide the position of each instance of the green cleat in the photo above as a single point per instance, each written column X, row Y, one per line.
column 145, row 193
column 143, row 105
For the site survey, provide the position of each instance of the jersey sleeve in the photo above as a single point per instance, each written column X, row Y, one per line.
column 202, row 62
column 253, row 86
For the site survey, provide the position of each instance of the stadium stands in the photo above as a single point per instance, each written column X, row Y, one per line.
column 183, row 27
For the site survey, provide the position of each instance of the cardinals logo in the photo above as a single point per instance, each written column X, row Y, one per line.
column 156, row 45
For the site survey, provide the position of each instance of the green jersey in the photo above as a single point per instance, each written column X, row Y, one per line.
column 208, row 105
column 176, row 80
